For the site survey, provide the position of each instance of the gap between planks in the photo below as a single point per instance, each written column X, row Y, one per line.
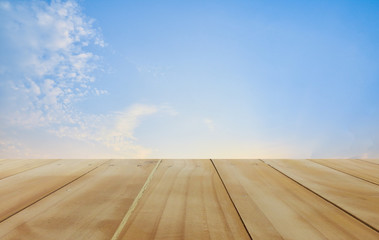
column 369, row 161
column 37, row 166
column 54, row 191
column 350, row 214
column 135, row 202
column 235, row 207
column 339, row 170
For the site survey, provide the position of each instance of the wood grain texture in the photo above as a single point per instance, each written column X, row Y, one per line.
column 376, row 161
column 89, row 208
column 358, row 197
column 185, row 200
column 362, row 169
column 273, row 206
column 21, row 190
column 14, row 166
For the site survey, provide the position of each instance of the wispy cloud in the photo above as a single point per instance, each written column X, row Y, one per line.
column 209, row 123
column 50, row 68
column 114, row 131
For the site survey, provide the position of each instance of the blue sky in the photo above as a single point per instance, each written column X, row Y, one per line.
column 189, row 79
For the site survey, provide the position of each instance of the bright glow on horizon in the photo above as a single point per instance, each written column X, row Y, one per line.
column 214, row 79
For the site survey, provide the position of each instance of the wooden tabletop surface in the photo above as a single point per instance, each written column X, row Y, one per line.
column 141, row 199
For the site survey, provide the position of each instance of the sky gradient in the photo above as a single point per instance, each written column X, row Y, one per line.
column 189, row 79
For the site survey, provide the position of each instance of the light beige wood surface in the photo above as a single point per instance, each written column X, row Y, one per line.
column 185, row 200
column 376, row 161
column 359, row 168
column 21, row 190
column 273, row 206
column 358, row 197
column 89, row 208
column 15, row 166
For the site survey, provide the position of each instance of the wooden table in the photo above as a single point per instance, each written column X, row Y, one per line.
column 189, row 199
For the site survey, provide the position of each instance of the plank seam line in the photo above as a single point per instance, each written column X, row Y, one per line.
column 350, row 214
column 43, row 197
column 230, row 197
column 44, row 164
column 135, row 203
column 343, row 172
column 368, row 161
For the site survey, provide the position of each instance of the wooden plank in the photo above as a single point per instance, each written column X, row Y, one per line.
column 376, row 161
column 21, row 190
column 362, row 169
column 185, row 200
column 273, row 206
column 13, row 166
column 89, row 208
column 358, row 197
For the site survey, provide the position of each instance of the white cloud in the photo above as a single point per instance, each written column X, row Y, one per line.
column 115, row 130
column 45, row 67
column 127, row 121
column 99, row 92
